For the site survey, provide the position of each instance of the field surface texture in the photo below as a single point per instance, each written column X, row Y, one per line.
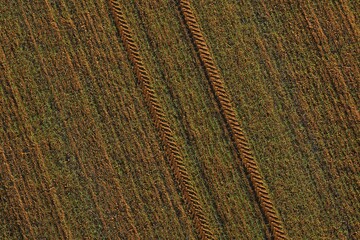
column 179, row 119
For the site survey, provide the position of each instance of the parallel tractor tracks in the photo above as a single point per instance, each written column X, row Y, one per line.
column 229, row 115
column 182, row 176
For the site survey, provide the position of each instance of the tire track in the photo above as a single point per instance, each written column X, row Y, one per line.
column 165, row 71
column 108, row 115
column 172, row 150
column 235, row 129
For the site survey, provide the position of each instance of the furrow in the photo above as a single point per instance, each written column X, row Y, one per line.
column 52, row 196
column 229, row 114
column 24, row 222
column 107, row 164
column 182, row 176
column 66, row 126
column 331, row 66
column 8, row 175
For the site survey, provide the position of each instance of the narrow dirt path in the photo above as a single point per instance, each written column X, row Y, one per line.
column 172, row 149
column 228, row 111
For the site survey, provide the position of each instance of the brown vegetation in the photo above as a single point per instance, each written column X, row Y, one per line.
column 228, row 112
column 173, row 152
column 185, row 128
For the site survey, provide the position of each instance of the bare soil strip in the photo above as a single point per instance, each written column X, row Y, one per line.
column 171, row 147
column 228, row 112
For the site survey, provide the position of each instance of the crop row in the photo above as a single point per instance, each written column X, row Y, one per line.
column 229, row 115
column 172, row 149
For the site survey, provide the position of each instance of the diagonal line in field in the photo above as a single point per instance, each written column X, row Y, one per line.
column 172, row 149
column 228, row 112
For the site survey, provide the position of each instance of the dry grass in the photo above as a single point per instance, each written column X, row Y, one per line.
column 81, row 156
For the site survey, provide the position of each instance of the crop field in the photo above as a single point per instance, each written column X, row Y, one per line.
column 179, row 119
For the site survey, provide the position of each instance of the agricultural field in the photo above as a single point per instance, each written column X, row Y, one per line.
column 179, row 119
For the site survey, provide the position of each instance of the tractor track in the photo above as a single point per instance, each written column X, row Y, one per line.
column 228, row 112
column 178, row 167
